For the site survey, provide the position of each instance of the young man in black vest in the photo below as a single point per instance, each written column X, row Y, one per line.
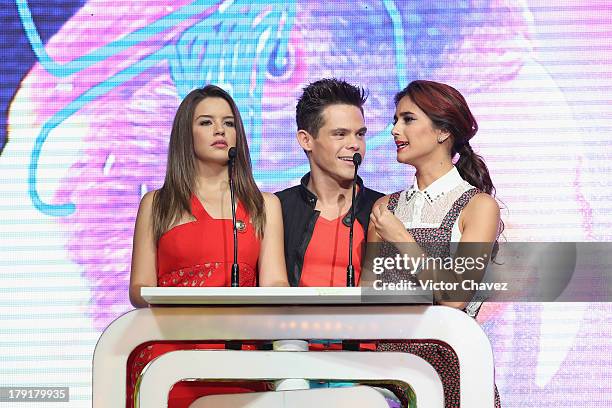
column 316, row 213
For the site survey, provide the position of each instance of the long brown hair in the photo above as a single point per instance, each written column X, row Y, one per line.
column 448, row 111
column 174, row 198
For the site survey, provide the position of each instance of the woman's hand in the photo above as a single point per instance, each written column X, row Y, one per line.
column 387, row 225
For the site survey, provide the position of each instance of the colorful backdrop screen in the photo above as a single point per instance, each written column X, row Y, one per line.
column 90, row 88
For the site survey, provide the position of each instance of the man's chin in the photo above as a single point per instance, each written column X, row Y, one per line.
column 344, row 178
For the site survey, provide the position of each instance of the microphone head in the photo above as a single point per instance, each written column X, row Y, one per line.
column 232, row 152
column 357, row 159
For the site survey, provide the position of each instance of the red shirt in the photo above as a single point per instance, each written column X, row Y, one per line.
column 326, row 258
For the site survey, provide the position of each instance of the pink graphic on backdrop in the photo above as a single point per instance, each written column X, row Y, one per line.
column 124, row 147
column 117, row 165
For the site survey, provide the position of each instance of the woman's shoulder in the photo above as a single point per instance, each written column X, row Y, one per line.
column 482, row 204
column 271, row 201
column 270, row 197
column 384, row 200
column 481, row 216
column 146, row 202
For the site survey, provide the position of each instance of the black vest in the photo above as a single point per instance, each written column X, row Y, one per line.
column 299, row 219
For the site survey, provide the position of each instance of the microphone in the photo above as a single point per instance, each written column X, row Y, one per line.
column 350, row 269
column 232, row 153
column 231, row 156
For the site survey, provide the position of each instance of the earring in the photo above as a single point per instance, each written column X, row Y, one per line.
column 441, row 139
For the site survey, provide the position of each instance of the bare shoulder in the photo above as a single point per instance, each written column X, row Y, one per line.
column 483, row 202
column 146, row 202
column 479, row 221
column 384, row 200
column 271, row 201
column 482, row 205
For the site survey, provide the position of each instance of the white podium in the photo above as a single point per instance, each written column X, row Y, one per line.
column 267, row 314
column 325, row 397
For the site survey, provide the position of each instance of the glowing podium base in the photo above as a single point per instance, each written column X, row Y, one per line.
column 265, row 314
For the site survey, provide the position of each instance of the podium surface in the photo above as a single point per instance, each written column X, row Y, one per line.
column 253, row 314
column 277, row 296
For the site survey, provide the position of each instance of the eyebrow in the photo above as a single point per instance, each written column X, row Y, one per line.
column 403, row 114
column 210, row 116
column 363, row 129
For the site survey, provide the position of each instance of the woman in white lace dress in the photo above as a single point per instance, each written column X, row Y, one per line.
column 446, row 203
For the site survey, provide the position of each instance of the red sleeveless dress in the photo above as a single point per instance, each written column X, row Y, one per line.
column 201, row 252
column 198, row 253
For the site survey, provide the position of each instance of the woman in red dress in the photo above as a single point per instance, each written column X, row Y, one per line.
column 184, row 231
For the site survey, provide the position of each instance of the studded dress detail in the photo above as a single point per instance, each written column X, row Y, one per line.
column 431, row 216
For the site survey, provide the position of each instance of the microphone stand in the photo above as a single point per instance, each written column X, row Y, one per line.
column 350, row 269
column 231, row 154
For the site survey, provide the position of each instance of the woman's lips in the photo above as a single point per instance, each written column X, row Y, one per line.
column 401, row 145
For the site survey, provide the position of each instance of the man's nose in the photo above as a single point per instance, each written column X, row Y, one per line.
column 353, row 143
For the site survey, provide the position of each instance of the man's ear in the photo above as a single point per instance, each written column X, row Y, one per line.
column 305, row 140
